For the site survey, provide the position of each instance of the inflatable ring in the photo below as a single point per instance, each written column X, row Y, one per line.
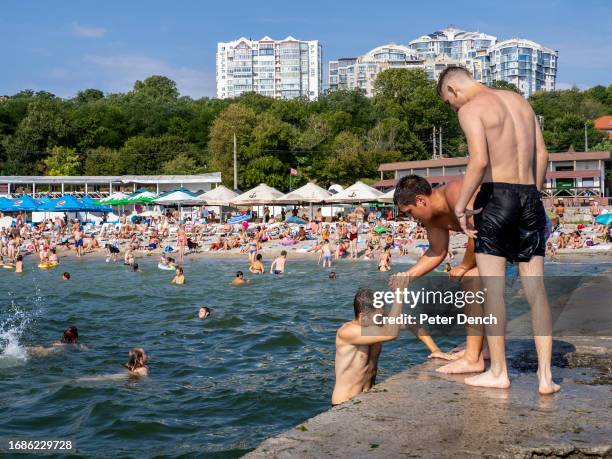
column 166, row 267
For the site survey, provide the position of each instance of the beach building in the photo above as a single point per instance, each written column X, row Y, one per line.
column 276, row 68
column 102, row 186
column 604, row 124
column 574, row 176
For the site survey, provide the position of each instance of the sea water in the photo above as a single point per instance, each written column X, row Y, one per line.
column 260, row 364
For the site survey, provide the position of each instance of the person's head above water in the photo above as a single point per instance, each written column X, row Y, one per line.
column 179, row 271
column 413, row 196
column 456, row 86
column 363, row 304
column 283, row 253
column 135, row 267
column 259, row 257
column 332, row 275
column 66, row 276
column 136, row 359
column 239, row 274
column 71, row 335
column 204, row 312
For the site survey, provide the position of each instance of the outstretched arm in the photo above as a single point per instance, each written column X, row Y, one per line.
column 435, row 254
column 477, row 165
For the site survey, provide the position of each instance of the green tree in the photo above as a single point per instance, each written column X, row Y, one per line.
column 503, row 84
column 102, row 161
column 157, row 86
column 181, row 165
column 63, row 161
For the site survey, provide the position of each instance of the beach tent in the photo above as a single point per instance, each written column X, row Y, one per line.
column 179, row 197
column 260, row 195
column 357, row 192
column 24, row 204
column 309, row 193
column 220, row 196
column 387, row 197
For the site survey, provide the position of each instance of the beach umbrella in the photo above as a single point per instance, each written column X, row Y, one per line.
column 179, row 197
column 220, row 196
column 144, row 197
column 604, row 219
column 91, row 205
column 25, row 204
column 357, row 192
column 118, row 196
column 387, row 197
column 309, row 193
column 66, row 203
column 5, row 204
column 260, row 195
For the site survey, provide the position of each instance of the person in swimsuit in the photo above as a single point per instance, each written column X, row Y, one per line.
column 353, row 237
column 252, row 249
column 278, row 265
column 384, row 262
column 181, row 241
column 239, row 279
column 508, row 160
column 78, row 240
column 326, row 251
column 179, row 276
column 136, row 364
column 257, row 267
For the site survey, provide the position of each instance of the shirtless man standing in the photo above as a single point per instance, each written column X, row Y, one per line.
column 435, row 210
column 358, row 346
column 509, row 158
column 78, row 239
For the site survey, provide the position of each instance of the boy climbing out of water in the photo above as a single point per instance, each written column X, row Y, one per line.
column 257, row 267
column 278, row 265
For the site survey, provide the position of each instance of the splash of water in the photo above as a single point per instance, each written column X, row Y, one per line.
column 12, row 352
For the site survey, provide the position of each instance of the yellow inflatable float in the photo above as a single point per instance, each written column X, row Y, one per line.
column 51, row 264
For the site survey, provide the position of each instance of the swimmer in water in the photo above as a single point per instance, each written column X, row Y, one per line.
column 257, row 267
column 239, row 279
column 19, row 264
column 179, row 277
column 332, row 275
column 278, row 265
column 384, row 262
column 66, row 276
column 203, row 313
column 70, row 337
column 135, row 268
column 136, row 362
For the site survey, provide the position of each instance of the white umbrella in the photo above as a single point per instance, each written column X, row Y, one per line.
column 220, row 196
column 357, row 192
column 260, row 195
column 144, row 194
column 387, row 197
column 115, row 197
column 310, row 193
column 178, row 197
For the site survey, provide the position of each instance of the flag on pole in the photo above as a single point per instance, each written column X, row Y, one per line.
column 293, row 171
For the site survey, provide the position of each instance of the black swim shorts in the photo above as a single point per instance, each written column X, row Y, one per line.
column 512, row 222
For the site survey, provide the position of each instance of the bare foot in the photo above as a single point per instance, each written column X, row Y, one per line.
column 547, row 386
column 462, row 365
column 488, row 379
column 442, row 355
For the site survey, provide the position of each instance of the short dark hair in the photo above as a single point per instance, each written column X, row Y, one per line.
column 284, row 252
column 363, row 302
column 408, row 188
column 71, row 335
column 449, row 71
column 239, row 274
column 258, row 256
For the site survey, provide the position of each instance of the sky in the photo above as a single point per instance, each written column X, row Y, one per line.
column 69, row 45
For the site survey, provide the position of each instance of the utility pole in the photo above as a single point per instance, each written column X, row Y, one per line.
column 586, row 138
column 440, row 146
column 434, row 142
column 235, row 165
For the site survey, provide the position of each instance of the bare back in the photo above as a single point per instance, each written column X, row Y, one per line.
column 510, row 129
column 356, row 367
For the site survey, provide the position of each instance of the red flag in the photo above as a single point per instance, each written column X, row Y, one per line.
column 293, row 171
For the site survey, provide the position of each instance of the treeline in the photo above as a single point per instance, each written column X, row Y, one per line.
column 341, row 137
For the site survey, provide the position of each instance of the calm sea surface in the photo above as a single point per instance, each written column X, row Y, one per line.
column 262, row 363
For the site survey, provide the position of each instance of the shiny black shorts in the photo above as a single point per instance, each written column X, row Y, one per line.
column 512, row 222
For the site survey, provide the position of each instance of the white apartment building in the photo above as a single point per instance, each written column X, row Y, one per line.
column 456, row 43
column 276, row 68
column 528, row 65
column 361, row 72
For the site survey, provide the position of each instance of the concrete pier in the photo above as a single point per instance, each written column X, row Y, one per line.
column 421, row 413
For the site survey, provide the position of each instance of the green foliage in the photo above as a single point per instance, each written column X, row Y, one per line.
column 501, row 84
column 62, row 161
column 341, row 137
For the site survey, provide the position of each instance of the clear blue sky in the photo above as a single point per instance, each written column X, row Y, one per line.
column 68, row 45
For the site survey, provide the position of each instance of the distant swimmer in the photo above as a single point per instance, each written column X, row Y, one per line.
column 359, row 343
column 136, row 364
column 384, row 262
column 19, row 264
column 135, row 268
column 239, row 279
column 66, row 276
column 69, row 338
column 257, row 267
column 332, row 275
column 203, row 313
column 179, row 276
column 278, row 265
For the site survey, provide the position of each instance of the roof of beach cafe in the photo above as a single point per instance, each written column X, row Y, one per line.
column 260, row 195
column 357, row 192
column 219, row 196
column 309, row 193
column 387, row 197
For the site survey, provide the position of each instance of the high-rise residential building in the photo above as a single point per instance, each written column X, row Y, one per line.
column 528, row 65
column 362, row 71
column 276, row 68
column 456, row 43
